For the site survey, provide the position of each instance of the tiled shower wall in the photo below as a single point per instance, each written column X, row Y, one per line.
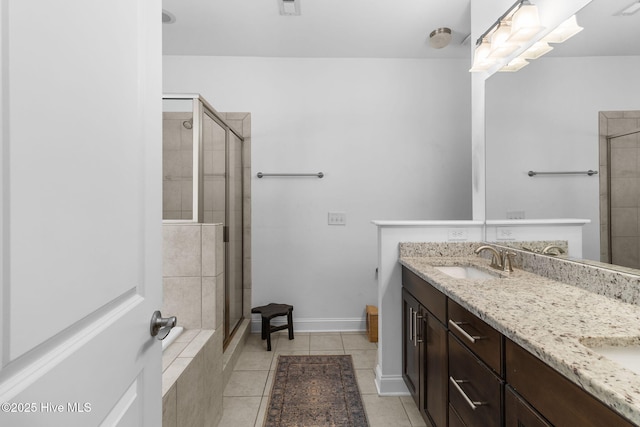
column 623, row 168
column 177, row 167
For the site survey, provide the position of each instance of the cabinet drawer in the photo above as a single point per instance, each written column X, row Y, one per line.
column 475, row 392
column 431, row 298
column 559, row 400
column 518, row 413
column 482, row 339
column 454, row 418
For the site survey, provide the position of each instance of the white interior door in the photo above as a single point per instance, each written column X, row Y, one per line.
column 80, row 212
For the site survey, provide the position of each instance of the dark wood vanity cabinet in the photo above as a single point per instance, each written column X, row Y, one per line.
column 518, row 413
column 424, row 344
column 464, row 373
column 557, row 399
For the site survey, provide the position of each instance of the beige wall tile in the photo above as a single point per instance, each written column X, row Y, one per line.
column 210, row 236
column 181, row 250
column 209, row 306
column 182, row 298
column 169, row 408
column 212, row 380
column 190, row 392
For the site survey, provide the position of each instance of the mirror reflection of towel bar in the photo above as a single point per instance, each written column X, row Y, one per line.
column 589, row 172
column 319, row 174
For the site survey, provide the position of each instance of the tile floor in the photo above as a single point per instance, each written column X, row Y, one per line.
column 247, row 393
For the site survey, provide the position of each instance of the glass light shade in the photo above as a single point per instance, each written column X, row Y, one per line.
column 481, row 60
column 500, row 45
column 564, row 31
column 525, row 24
column 515, row 65
column 536, row 50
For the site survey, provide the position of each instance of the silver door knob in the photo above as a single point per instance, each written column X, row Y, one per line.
column 160, row 326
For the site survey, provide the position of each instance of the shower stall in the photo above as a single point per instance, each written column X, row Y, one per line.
column 203, row 183
column 619, row 189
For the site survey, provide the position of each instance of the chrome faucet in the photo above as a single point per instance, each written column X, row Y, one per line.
column 548, row 249
column 501, row 260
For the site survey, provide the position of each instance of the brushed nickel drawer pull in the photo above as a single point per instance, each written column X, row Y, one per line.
column 472, row 403
column 420, row 317
column 411, row 324
column 471, row 338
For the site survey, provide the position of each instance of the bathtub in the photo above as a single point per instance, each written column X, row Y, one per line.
column 173, row 334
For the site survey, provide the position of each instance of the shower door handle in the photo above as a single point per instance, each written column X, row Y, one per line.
column 160, row 326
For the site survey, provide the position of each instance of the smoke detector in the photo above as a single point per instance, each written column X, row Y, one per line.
column 440, row 37
column 289, row 7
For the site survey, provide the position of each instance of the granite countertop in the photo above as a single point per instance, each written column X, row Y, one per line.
column 551, row 320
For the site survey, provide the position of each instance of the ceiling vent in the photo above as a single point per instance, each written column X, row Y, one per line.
column 289, row 7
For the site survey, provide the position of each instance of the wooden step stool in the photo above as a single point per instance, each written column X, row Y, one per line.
column 268, row 312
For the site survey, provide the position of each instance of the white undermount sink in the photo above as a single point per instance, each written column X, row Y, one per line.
column 465, row 272
column 627, row 356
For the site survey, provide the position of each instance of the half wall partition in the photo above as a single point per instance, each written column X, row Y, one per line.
column 203, row 183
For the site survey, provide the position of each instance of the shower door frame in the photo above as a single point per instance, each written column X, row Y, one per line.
column 200, row 107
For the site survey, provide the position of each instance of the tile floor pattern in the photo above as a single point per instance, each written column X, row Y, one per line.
column 247, row 393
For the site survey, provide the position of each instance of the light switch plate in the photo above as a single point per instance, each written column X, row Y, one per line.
column 337, row 218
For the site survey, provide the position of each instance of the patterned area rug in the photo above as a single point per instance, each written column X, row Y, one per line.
column 315, row 391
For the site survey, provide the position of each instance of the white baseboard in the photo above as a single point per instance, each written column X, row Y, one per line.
column 390, row 385
column 315, row 325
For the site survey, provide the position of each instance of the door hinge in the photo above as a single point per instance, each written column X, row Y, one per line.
column 225, row 233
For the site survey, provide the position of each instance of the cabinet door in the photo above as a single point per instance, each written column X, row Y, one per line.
column 435, row 378
column 518, row 413
column 410, row 345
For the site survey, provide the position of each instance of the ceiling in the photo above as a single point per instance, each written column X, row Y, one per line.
column 365, row 29
column 325, row 28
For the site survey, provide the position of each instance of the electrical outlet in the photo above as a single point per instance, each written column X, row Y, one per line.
column 505, row 233
column 337, row 218
column 515, row 214
column 458, row 234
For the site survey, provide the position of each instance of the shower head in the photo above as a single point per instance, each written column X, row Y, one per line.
column 188, row 124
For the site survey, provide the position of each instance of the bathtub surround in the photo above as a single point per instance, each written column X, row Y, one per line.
column 193, row 270
column 193, row 274
column 191, row 381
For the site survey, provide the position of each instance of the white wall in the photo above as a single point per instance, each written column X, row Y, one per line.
column 391, row 136
column 545, row 118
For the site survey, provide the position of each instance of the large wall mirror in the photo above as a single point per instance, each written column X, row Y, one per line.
column 549, row 116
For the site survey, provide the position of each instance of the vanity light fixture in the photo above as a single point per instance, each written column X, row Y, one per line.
column 501, row 46
column 481, row 59
column 525, row 23
column 536, row 50
column 518, row 25
column 564, row 31
column 631, row 9
column 515, row 65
